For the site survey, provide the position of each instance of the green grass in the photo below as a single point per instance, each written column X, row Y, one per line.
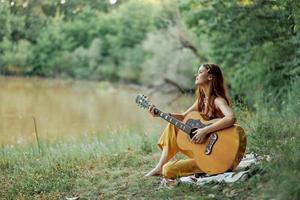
column 112, row 167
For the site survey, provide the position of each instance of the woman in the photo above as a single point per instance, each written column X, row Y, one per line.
column 212, row 102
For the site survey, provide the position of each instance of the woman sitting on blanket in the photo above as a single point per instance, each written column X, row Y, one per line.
column 212, row 102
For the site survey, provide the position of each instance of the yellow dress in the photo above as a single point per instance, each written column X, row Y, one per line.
column 173, row 169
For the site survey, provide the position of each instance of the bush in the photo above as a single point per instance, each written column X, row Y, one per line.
column 16, row 57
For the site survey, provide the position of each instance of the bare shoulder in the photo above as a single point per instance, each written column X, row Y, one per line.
column 223, row 106
column 220, row 102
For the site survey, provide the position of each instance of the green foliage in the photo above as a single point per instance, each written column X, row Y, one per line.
column 51, row 44
column 14, row 55
column 256, row 42
column 84, row 62
column 132, row 63
column 5, row 21
column 62, row 37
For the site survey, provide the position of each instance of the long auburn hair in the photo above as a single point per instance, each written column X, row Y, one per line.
column 218, row 89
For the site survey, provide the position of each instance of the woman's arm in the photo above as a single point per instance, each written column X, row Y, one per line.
column 227, row 121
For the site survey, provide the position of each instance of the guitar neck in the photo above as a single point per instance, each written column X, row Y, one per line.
column 180, row 125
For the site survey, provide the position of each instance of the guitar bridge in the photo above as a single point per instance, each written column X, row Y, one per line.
column 212, row 140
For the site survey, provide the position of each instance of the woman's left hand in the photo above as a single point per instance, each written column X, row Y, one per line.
column 199, row 136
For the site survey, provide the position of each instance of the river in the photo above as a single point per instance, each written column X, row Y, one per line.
column 57, row 110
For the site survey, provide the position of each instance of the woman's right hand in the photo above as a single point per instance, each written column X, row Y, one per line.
column 151, row 110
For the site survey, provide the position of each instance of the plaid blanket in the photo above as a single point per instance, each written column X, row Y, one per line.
column 244, row 170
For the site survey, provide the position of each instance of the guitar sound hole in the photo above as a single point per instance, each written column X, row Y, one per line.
column 191, row 133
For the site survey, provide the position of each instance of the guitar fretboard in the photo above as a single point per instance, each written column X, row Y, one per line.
column 173, row 121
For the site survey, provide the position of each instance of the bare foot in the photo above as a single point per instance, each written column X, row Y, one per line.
column 154, row 172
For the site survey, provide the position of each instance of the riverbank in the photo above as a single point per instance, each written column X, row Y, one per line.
column 112, row 166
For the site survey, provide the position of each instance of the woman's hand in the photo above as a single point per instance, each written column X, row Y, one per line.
column 151, row 110
column 200, row 136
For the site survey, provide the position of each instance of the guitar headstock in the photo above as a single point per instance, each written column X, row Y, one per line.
column 142, row 101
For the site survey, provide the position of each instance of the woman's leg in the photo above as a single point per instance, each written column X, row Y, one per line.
column 163, row 159
column 168, row 144
column 179, row 168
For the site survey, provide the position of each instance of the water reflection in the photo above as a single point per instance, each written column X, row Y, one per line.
column 67, row 109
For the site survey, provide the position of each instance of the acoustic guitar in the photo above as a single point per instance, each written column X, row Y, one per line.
column 221, row 151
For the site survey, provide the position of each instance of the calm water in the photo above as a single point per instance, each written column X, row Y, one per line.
column 68, row 109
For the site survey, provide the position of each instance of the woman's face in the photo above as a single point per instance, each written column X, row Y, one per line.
column 202, row 77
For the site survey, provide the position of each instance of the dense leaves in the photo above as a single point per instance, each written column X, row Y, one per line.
column 257, row 42
column 80, row 39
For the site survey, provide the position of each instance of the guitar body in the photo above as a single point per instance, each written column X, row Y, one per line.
column 221, row 151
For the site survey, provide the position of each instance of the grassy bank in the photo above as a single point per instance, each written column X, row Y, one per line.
column 112, row 167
